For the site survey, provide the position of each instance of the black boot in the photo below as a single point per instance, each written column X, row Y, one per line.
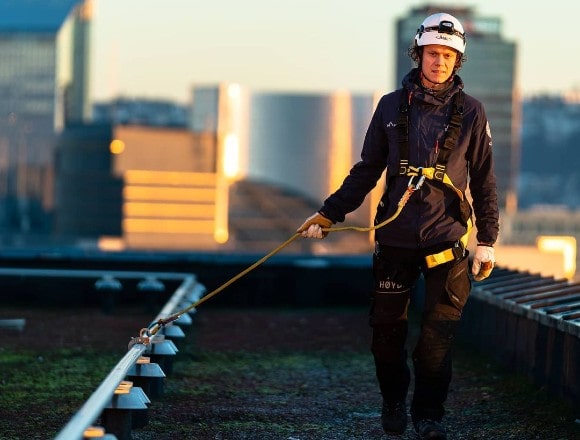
column 430, row 430
column 394, row 417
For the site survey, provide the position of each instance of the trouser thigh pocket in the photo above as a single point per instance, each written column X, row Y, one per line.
column 458, row 284
column 391, row 293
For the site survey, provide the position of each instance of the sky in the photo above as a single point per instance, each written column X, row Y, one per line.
column 163, row 49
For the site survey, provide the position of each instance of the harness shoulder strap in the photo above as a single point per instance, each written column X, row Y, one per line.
column 451, row 135
column 403, row 128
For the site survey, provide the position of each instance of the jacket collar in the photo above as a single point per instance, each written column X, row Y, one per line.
column 412, row 83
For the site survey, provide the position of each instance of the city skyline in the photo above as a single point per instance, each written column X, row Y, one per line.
column 147, row 49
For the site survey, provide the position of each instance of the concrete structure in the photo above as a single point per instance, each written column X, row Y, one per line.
column 307, row 142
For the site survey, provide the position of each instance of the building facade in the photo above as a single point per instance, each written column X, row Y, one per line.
column 43, row 82
column 307, row 142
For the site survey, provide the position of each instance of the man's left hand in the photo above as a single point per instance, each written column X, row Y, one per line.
column 483, row 262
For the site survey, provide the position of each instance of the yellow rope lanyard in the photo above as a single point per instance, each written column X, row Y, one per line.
column 154, row 328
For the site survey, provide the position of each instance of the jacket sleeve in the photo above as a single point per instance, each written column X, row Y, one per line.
column 482, row 183
column 364, row 175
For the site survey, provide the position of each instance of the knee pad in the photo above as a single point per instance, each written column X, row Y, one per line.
column 388, row 342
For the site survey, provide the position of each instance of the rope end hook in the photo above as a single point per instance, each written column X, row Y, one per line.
column 143, row 338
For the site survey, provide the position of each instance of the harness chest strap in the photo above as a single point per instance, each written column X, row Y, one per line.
column 451, row 134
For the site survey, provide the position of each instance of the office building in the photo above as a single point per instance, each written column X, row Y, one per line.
column 73, row 101
column 43, row 83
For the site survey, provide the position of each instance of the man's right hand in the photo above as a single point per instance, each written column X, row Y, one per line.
column 313, row 225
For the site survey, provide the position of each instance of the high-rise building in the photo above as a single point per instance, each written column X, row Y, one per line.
column 73, row 104
column 43, row 84
column 489, row 75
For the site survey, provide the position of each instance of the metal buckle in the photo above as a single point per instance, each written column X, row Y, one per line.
column 419, row 183
column 458, row 250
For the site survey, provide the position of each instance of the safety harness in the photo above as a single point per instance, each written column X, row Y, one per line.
column 438, row 171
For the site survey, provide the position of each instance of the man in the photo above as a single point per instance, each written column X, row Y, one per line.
column 430, row 128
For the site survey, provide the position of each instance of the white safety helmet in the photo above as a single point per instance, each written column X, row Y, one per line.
column 443, row 29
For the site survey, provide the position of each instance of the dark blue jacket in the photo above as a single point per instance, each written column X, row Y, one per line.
column 432, row 214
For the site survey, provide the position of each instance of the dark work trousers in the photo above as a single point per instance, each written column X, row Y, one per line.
column 447, row 288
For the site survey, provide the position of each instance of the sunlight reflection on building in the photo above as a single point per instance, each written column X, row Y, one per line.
column 176, row 181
